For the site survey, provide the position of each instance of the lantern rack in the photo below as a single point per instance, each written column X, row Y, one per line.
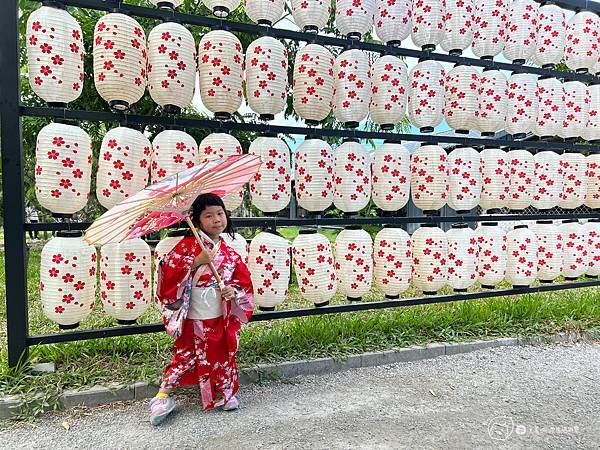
column 225, row 126
column 275, row 222
column 127, row 330
column 228, row 25
column 15, row 226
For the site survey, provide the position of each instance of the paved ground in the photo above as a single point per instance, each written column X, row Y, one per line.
column 511, row 397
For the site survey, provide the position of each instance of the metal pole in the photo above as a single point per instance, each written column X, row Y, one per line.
column 12, row 185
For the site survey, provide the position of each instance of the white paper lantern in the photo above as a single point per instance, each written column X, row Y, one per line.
column 271, row 189
column 162, row 249
column 426, row 95
column 313, row 175
column 464, row 179
column 549, row 250
column 592, row 196
column 577, row 107
column 461, row 98
column 522, row 104
column 269, row 266
column 389, row 78
column 264, row 12
column 581, row 51
column 520, row 36
column 123, row 165
column 220, row 65
column 393, row 20
column 462, row 257
column 170, row 4
column 217, row 146
column 221, row 8
column 311, row 15
column 353, row 250
column 591, row 133
column 238, row 243
column 574, row 188
column 592, row 231
column 125, row 273
column 67, row 279
column 352, row 177
column 550, row 35
column 458, row 26
column 575, row 249
column 172, row 152
column 428, row 23
column 392, row 261
column 171, row 66
column 551, row 108
column 313, row 83
column 491, row 254
column 120, row 60
column 314, row 267
column 521, row 182
column 489, row 28
column 429, row 178
column 430, row 256
column 354, row 18
column 495, row 176
column 55, row 54
column 492, row 102
column 522, row 257
column 266, row 77
column 63, row 170
column 547, row 180
column 391, row 176
column 352, row 87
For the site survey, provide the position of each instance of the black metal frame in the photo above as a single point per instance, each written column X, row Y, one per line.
column 15, row 227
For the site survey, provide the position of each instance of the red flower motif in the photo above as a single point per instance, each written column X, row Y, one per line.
column 68, row 278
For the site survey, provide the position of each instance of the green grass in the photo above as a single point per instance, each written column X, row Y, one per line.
column 142, row 357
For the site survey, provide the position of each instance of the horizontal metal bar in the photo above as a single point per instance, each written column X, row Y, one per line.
column 219, row 126
column 128, row 330
column 215, row 23
column 242, row 222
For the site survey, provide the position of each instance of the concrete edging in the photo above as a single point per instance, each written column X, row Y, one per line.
column 101, row 395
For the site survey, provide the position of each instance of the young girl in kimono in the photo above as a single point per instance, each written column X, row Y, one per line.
column 205, row 319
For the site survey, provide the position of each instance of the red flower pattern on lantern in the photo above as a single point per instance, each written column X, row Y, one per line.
column 54, row 55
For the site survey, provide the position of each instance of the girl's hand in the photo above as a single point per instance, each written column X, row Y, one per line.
column 203, row 258
column 227, row 292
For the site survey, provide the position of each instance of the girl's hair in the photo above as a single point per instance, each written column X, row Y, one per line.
column 205, row 200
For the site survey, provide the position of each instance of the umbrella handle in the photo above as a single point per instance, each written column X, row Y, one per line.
column 210, row 264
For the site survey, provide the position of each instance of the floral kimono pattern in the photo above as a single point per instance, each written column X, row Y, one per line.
column 204, row 350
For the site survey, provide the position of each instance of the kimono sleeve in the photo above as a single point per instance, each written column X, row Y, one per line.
column 244, row 295
column 174, row 269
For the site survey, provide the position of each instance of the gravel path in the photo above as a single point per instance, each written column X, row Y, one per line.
column 512, row 397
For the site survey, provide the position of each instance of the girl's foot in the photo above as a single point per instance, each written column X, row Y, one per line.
column 231, row 405
column 160, row 408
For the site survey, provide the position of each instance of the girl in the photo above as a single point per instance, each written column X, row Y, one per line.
column 204, row 319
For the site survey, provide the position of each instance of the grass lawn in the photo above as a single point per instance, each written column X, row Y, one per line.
column 142, row 358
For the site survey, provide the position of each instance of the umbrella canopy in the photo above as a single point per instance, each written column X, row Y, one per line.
column 168, row 202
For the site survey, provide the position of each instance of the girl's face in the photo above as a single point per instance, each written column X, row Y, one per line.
column 213, row 220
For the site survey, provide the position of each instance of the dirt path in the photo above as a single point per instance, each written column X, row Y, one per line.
column 511, row 397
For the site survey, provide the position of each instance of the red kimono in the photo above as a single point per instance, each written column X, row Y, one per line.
column 204, row 350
